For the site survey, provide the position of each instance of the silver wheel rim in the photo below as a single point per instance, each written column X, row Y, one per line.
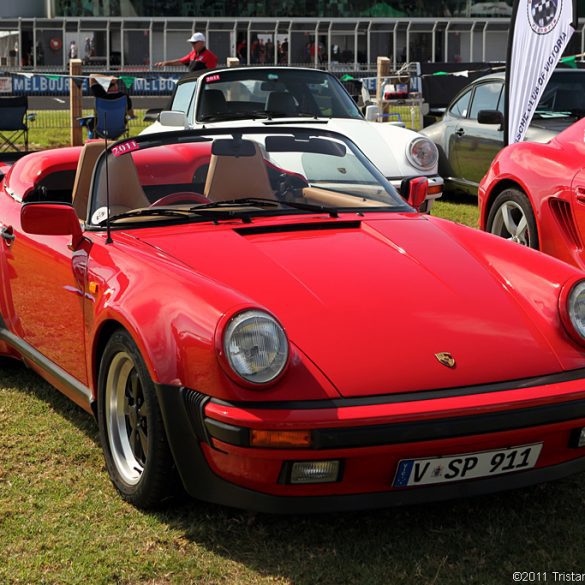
column 126, row 418
column 510, row 222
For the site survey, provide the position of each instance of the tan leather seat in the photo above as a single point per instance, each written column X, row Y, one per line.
column 83, row 174
column 126, row 192
column 231, row 177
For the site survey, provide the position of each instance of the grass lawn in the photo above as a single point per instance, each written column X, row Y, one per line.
column 61, row 522
column 52, row 128
column 461, row 209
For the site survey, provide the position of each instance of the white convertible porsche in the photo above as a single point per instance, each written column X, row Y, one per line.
column 289, row 95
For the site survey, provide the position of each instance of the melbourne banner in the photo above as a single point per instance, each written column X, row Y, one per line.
column 540, row 32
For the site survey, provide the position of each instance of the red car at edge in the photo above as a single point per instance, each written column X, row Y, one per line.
column 256, row 316
column 534, row 194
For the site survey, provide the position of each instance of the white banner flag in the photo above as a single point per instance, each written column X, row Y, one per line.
column 540, row 31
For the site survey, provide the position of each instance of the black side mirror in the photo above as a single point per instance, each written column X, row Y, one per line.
column 490, row 117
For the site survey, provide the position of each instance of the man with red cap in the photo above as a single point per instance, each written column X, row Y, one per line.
column 199, row 58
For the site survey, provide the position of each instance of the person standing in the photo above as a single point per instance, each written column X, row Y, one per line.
column 200, row 56
column 73, row 52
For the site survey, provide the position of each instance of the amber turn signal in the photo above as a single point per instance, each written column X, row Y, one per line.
column 280, row 439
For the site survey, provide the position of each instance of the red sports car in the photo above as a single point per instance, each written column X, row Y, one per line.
column 258, row 317
column 534, row 194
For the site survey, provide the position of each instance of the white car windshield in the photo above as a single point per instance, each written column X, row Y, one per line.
column 201, row 175
column 272, row 93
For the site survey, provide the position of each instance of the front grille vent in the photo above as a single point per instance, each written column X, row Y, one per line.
column 194, row 404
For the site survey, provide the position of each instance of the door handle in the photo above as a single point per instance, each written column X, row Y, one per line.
column 7, row 233
column 460, row 132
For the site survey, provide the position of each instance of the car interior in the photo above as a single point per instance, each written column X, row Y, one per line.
column 281, row 168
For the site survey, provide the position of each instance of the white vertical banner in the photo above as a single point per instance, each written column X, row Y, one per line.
column 539, row 33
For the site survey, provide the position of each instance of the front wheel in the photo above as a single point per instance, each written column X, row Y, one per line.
column 511, row 217
column 131, row 429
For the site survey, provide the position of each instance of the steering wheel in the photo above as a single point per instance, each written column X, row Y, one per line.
column 180, row 197
column 290, row 186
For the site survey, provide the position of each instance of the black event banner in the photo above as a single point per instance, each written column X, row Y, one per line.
column 540, row 32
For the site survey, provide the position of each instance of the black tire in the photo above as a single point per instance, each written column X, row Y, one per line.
column 131, row 429
column 511, row 217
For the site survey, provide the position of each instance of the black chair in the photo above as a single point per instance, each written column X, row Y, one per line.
column 13, row 126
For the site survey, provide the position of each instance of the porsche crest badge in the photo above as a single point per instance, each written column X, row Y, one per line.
column 446, row 359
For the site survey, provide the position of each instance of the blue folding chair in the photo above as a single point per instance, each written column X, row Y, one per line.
column 13, row 125
column 110, row 119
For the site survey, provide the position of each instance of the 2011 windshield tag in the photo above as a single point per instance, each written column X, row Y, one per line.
column 125, row 148
column 211, row 78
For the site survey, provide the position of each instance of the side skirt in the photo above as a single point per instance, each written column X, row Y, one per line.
column 50, row 371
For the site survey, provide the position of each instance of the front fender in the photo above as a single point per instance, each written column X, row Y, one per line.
column 172, row 314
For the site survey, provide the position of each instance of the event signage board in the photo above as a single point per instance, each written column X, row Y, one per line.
column 39, row 84
column 540, row 32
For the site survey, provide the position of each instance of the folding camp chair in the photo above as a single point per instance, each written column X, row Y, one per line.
column 13, row 125
column 110, row 119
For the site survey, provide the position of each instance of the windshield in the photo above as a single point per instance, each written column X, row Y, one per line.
column 203, row 175
column 244, row 93
column 565, row 92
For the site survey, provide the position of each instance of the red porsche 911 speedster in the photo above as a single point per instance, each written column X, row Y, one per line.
column 534, row 194
column 256, row 316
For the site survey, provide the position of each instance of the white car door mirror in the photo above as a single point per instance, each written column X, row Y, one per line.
column 372, row 113
column 174, row 119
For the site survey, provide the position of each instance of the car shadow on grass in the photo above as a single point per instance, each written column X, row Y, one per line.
column 481, row 540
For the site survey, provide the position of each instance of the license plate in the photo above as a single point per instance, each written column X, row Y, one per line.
column 412, row 472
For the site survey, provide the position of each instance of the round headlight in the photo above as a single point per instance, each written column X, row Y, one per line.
column 576, row 308
column 256, row 346
column 422, row 153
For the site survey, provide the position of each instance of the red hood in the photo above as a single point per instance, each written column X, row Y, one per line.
column 372, row 302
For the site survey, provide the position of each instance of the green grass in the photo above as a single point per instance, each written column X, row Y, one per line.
column 52, row 128
column 461, row 209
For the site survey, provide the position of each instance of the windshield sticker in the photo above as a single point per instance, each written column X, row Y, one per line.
column 273, row 76
column 211, row 78
column 99, row 215
column 125, row 148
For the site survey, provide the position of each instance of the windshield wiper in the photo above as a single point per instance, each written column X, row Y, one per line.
column 244, row 202
column 218, row 116
column 182, row 213
column 148, row 211
column 332, row 211
column 305, row 120
column 264, row 202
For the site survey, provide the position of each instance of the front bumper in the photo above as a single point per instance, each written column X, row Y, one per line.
column 210, row 441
